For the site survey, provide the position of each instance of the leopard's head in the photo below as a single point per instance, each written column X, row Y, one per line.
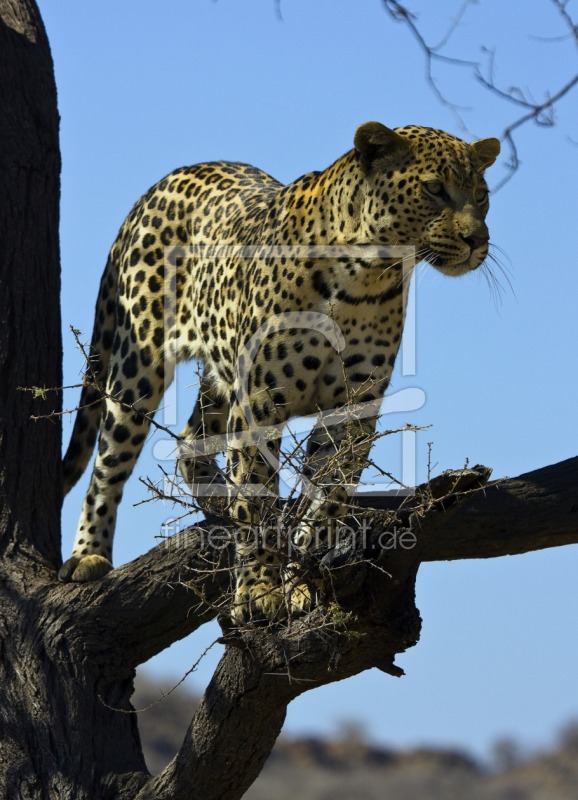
column 426, row 188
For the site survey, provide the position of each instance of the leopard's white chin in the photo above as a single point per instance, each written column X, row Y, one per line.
column 455, row 270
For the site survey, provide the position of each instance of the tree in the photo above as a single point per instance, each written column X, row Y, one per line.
column 69, row 652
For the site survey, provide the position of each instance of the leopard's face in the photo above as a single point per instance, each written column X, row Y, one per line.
column 426, row 188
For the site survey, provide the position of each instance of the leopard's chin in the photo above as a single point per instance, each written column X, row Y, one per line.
column 455, row 270
column 451, row 267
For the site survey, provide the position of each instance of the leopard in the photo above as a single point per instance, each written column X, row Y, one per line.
column 292, row 298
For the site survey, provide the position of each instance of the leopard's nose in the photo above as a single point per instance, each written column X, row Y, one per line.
column 474, row 242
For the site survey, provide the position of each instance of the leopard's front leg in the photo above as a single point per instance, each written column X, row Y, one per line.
column 336, row 457
column 252, row 469
column 199, row 442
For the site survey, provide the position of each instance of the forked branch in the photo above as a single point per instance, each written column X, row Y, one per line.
column 179, row 585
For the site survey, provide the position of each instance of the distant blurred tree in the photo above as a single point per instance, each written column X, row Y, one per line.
column 568, row 736
column 506, row 753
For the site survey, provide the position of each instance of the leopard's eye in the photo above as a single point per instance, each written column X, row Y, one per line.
column 481, row 195
column 436, row 188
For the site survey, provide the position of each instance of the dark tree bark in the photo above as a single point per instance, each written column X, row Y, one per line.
column 30, row 354
column 30, row 344
column 68, row 652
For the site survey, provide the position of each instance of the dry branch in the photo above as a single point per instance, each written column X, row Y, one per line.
column 541, row 112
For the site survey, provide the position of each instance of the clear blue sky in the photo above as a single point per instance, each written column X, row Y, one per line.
column 146, row 87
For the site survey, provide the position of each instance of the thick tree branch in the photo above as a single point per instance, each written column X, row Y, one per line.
column 179, row 585
column 145, row 606
column 536, row 510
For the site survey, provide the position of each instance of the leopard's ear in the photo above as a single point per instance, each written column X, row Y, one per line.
column 375, row 142
column 487, row 151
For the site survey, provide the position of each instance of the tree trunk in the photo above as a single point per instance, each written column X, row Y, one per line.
column 30, row 342
column 38, row 686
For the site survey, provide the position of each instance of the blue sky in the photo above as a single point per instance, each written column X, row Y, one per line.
column 146, row 87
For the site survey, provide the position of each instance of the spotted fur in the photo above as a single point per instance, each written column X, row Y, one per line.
column 282, row 295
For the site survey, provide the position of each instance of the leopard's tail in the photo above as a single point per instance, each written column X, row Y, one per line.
column 91, row 404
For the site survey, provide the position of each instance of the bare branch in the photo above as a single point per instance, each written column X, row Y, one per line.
column 536, row 112
column 573, row 26
column 542, row 113
column 453, row 25
column 400, row 13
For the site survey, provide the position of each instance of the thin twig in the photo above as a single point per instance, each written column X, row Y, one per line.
column 542, row 113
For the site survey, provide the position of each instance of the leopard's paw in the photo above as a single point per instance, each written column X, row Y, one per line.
column 300, row 595
column 298, row 598
column 82, row 569
column 260, row 603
